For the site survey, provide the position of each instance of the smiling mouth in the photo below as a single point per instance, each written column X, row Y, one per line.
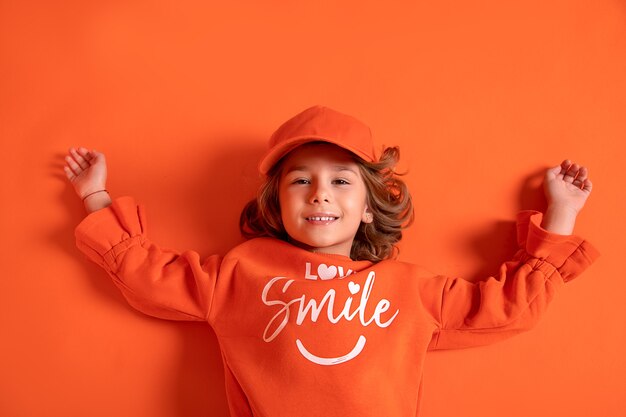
column 321, row 218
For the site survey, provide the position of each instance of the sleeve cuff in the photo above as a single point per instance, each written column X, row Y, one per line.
column 569, row 254
column 102, row 230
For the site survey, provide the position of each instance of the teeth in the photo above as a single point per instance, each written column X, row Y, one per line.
column 322, row 219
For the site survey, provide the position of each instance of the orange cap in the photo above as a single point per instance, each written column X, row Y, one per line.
column 319, row 123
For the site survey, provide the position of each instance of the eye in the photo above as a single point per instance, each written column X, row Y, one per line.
column 341, row 181
column 301, row 181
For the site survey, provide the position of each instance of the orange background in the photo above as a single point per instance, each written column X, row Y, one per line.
column 181, row 97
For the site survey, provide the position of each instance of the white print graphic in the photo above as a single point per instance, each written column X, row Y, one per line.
column 326, row 272
column 328, row 301
column 332, row 361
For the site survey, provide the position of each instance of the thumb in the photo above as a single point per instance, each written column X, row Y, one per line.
column 553, row 171
column 96, row 154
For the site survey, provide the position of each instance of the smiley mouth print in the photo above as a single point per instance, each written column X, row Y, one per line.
column 360, row 344
column 310, row 306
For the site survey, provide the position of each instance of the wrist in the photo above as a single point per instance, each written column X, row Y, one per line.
column 560, row 219
column 93, row 191
column 96, row 200
column 563, row 208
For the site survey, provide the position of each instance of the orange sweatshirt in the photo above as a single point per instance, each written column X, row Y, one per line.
column 309, row 334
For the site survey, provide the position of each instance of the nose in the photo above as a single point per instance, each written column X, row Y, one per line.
column 319, row 194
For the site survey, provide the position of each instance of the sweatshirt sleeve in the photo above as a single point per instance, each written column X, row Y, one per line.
column 473, row 314
column 156, row 281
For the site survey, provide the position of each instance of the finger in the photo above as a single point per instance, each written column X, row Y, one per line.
column 68, row 172
column 571, row 173
column 84, row 152
column 79, row 159
column 583, row 174
column 76, row 169
column 587, row 185
column 580, row 177
column 565, row 166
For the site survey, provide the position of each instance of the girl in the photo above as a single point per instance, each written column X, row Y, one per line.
column 313, row 315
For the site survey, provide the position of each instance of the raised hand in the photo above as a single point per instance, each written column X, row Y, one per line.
column 86, row 170
column 567, row 185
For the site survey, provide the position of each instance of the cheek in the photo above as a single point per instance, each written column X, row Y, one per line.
column 358, row 201
column 285, row 213
column 287, row 203
column 355, row 206
column 283, row 198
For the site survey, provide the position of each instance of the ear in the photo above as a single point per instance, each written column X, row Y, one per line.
column 367, row 217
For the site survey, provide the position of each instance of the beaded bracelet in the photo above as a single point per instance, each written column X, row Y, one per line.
column 93, row 193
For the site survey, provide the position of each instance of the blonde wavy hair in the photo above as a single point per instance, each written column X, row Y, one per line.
column 388, row 199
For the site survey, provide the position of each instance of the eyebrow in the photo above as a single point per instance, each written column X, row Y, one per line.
column 337, row 168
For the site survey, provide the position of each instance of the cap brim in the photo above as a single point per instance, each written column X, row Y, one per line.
column 279, row 151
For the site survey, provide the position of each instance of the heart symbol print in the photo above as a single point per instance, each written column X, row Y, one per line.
column 327, row 272
column 353, row 287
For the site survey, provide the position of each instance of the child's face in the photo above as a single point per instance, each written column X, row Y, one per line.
column 322, row 198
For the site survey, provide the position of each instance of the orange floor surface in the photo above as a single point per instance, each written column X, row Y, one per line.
column 182, row 96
